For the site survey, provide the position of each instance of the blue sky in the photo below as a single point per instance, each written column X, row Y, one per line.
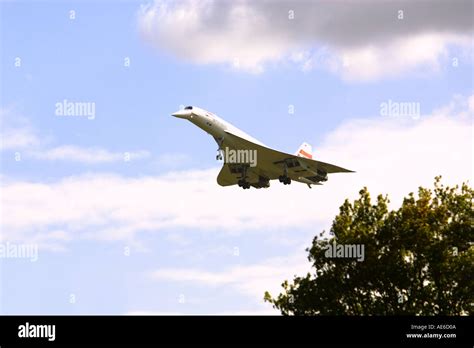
column 195, row 247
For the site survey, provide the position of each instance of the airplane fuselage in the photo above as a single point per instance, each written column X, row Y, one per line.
column 212, row 124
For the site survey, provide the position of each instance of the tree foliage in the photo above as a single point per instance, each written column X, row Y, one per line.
column 419, row 259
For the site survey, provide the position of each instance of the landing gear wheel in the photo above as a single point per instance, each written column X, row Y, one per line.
column 244, row 184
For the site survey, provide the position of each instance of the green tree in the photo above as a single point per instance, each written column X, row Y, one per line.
column 419, row 259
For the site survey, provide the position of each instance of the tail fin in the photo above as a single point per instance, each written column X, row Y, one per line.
column 305, row 150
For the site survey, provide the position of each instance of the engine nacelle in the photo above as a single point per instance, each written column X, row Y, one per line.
column 318, row 176
column 321, row 175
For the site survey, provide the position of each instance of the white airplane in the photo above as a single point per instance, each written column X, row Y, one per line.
column 248, row 162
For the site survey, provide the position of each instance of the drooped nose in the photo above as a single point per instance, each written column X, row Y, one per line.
column 185, row 113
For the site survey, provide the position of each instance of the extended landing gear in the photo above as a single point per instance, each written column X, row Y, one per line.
column 244, row 184
column 219, row 156
column 284, row 178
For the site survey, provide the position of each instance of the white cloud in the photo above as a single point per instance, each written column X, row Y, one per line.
column 18, row 139
column 421, row 53
column 459, row 107
column 174, row 25
column 359, row 41
column 86, row 155
column 390, row 155
column 18, row 134
column 471, row 103
column 172, row 160
column 252, row 280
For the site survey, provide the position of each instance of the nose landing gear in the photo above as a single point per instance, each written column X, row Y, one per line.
column 220, row 151
column 219, row 156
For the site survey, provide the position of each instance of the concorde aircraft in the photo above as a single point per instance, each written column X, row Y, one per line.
column 248, row 162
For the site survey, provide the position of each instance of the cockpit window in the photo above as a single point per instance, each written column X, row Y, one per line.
column 188, row 108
